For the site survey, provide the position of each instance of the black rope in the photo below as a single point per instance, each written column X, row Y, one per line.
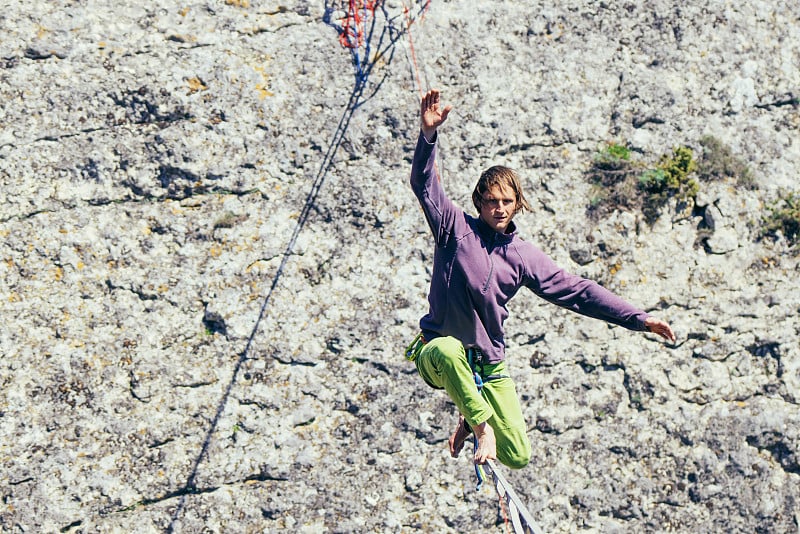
column 189, row 487
column 355, row 101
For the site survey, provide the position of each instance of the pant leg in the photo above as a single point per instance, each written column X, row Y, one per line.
column 443, row 364
column 507, row 421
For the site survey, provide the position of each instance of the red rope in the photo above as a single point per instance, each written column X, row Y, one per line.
column 354, row 23
column 505, row 513
column 409, row 22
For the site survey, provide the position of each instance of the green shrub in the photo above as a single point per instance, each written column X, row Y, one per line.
column 671, row 178
column 610, row 174
column 620, row 183
column 677, row 170
column 611, row 164
column 719, row 162
column 784, row 217
column 653, row 180
column 613, row 156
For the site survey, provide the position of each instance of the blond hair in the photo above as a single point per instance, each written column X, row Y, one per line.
column 501, row 176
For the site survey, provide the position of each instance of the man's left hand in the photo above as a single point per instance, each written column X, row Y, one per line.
column 657, row 326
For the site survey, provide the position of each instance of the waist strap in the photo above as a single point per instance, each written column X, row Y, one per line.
column 475, row 359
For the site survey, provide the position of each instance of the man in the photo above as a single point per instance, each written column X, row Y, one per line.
column 479, row 265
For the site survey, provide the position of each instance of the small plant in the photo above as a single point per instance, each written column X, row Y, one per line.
column 653, row 180
column 784, row 217
column 670, row 179
column 613, row 156
column 611, row 173
column 619, row 182
column 719, row 162
column 677, row 170
column 612, row 163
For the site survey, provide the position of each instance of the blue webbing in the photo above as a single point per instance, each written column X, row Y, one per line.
column 479, row 382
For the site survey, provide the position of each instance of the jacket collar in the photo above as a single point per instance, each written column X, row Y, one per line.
column 496, row 238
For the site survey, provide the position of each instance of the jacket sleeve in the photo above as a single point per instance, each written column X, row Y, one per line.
column 440, row 212
column 580, row 295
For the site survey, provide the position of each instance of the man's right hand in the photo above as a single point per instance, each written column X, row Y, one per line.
column 431, row 114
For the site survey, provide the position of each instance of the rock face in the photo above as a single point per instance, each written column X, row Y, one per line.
column 211, row 262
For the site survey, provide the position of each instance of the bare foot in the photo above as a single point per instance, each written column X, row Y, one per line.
column 460, row 434
column 487, row 447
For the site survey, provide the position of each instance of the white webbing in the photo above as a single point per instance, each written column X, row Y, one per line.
column 521, row 518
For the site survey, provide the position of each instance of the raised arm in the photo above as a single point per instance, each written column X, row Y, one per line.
column 431, row 114
column 439, row 210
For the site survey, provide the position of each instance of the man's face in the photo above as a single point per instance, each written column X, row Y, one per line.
column 498, row 207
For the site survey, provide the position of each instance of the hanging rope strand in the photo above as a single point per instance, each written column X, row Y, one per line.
column 409, row 22
column 521, row 518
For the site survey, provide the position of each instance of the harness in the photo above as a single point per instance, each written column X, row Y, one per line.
column 475, row 359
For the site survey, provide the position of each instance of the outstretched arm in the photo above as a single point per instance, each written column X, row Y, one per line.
column 657, row 326
column 431, row 114
column 584, row 296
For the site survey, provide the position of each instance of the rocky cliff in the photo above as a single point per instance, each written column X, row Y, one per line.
column 211, row 261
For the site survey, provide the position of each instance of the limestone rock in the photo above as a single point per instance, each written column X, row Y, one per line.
column 211, row 263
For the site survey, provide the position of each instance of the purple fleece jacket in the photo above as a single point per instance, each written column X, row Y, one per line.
column 476, row 271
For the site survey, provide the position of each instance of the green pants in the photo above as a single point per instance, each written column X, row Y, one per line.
column 443, row 364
